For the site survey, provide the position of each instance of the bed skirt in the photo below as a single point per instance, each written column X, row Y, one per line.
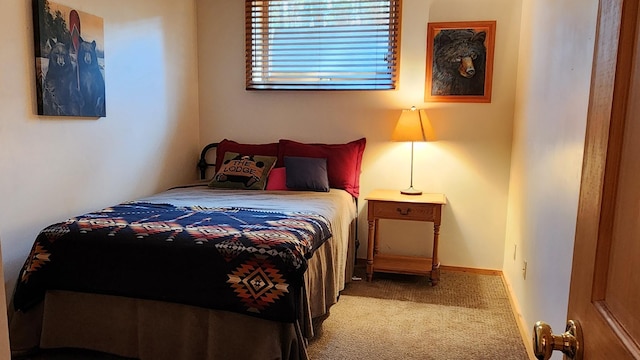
column 147, row 329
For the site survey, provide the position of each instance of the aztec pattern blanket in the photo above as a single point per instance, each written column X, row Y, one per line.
column 243, row 260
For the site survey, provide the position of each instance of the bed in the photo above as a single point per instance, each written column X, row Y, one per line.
column 203, row 271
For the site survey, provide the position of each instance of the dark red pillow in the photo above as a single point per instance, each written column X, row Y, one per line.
column 343, row 160
column 244, row 149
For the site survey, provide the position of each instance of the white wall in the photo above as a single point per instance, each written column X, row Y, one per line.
column 53, row 168
column 554, row 74
column 470, row 163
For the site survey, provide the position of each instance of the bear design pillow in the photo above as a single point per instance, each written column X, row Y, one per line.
column 238, row 171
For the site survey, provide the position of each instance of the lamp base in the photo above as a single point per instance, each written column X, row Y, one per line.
column 411, row 191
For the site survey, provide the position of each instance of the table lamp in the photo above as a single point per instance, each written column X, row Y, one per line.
column 413, row 125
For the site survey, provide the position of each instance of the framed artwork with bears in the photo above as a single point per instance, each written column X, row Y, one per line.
column 69, row 61
column 459, row 61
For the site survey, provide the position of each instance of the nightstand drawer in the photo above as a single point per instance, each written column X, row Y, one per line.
column 403, row 211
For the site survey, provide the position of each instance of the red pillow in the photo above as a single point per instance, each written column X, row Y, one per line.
column 244, row 149
column 343, row 160
column 277, row 179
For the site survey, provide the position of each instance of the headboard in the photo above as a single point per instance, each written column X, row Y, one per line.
column 202, row 163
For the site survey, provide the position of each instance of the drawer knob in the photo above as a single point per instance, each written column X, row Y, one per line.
column 403, row 212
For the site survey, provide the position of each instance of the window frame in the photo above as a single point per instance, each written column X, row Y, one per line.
column 258, row 55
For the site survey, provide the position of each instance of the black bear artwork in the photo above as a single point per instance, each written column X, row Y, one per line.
column 69, row 61
column 91, row 81
column 459, row 62
column 73, row 88
column 60, row 95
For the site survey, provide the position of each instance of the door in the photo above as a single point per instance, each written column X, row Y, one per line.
column 4, row 326
column 604, row 298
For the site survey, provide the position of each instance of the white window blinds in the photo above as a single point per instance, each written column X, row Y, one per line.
column 322, row 44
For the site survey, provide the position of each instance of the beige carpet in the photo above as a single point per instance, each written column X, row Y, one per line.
column 466, row 316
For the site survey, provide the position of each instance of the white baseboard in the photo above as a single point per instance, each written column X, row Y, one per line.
column 522, row 326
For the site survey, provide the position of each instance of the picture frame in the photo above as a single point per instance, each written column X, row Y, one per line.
column 69, row 61
column 459, row 61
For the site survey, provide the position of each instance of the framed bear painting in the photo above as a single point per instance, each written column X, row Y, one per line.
column 69, row 61
column 459, row 61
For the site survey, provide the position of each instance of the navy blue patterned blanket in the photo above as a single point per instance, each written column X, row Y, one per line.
column 243, row 260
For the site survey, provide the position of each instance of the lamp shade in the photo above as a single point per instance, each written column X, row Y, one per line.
column 413, row 125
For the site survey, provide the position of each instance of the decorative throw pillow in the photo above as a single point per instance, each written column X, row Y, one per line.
column 225, row 146
column 344, row 161
column 243, row 171
column 277, row 179
column 304, row 173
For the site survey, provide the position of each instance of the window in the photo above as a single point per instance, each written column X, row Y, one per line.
column 322, row 44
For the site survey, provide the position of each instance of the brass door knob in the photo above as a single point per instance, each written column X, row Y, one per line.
column 570, row 342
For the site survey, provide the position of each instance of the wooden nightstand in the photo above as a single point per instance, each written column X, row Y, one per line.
column 390, row 204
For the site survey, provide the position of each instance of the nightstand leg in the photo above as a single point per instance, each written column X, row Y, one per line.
column 370, row 247
column 376, row 243
column 435, row 267
column 435, row 275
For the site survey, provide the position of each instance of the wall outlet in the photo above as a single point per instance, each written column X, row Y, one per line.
column 524, row 270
